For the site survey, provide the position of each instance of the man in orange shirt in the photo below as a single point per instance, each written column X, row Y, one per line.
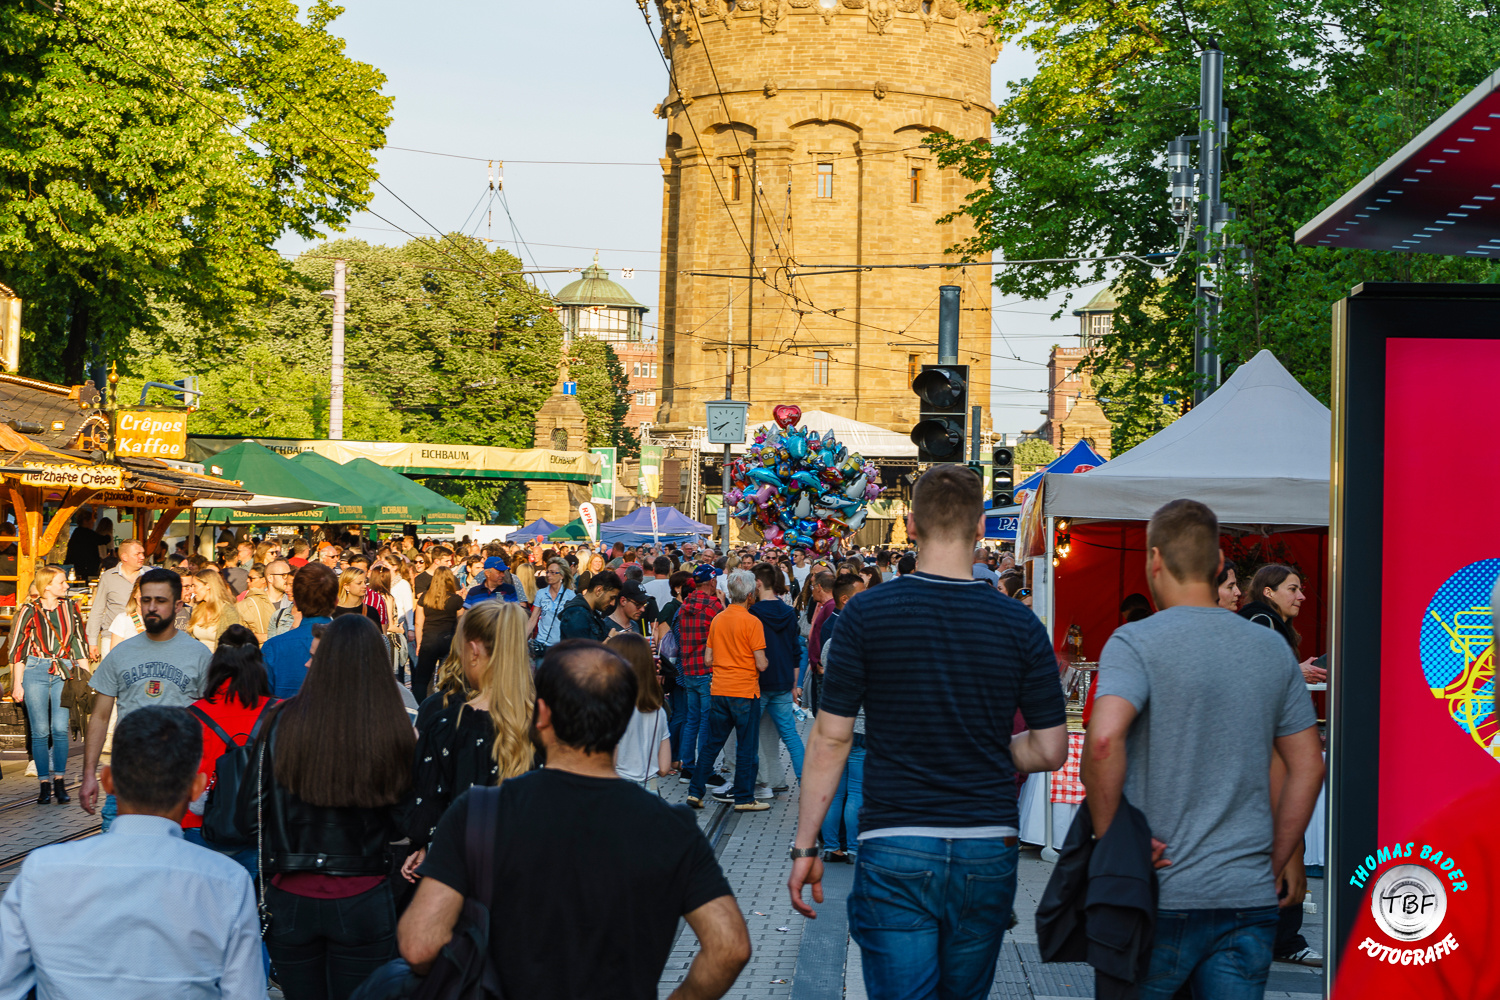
column 736, row 651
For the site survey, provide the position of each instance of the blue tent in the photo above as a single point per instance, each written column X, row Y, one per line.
column 1002, row 523
column 635, row 528
column 540, row 528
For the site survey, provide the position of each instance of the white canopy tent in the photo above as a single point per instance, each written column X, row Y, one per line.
column 1257, row 451
column 868, row 440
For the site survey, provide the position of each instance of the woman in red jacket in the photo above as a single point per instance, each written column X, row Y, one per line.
column 237, row 693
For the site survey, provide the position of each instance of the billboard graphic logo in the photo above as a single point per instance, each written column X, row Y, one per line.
column 1409, row 902
column 1458, row 654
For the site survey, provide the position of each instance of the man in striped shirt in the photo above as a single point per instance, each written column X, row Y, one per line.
column 939, row 662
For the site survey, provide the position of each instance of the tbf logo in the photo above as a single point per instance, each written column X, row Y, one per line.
column 1409, row 902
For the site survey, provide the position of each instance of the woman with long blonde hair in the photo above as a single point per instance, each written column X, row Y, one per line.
column 438, row 612
column 486, row 739
column 47, row 639
column 213, row 609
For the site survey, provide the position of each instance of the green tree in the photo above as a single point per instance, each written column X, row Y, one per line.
column 152, row 151
column 434, row 351
column 1319, row 92
column 1033, row 453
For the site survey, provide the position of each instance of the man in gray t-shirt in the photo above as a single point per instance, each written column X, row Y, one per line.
column 161, row 666
column 1197, row 698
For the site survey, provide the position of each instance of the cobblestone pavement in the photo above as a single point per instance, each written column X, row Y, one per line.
column 816, row 960
column 792, row 957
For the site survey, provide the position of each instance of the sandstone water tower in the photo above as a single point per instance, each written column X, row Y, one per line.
column 797, row 126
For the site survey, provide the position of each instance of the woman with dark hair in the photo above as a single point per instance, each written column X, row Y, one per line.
column 1228, row 587
column 1276, row 597
column 329, row 791
column 238, row 694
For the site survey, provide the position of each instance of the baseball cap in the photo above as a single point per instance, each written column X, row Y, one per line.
column 704, row 573
column 495, row 562
column 633, row 591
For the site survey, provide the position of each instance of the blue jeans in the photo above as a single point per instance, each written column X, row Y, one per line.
column 43, row 692
column 677, row 720
column 928, row 915
column 846, row 801
column 777, row 706
column 108, row 813
column 694, row 693
column 1225, row 954
column 742, row 716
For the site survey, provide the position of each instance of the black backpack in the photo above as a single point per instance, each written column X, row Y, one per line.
column 219, row 827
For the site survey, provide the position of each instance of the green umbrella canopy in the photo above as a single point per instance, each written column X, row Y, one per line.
column 439, row 509
column 263, row 471
column 573, row 531
column 389, row 504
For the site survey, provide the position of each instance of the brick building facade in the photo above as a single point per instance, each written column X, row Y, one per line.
column 595, row 306
column 820, row 107
column 1073, row 414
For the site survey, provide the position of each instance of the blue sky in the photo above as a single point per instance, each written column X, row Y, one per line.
column 553, row 80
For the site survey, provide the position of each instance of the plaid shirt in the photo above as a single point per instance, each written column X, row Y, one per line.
column 693, row 620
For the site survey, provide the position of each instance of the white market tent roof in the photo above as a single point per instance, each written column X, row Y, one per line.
column 868, row 440
column 1258, row 451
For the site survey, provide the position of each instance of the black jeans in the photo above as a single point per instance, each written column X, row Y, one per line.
column 434, row 652
column 322, row 949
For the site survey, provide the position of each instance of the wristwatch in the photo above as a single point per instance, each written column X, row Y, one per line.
column 802, row 852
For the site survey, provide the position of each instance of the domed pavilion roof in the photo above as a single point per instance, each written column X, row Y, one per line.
column 1104, row 301
column 595, row 289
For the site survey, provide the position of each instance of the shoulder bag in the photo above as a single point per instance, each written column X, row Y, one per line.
column 464, row 969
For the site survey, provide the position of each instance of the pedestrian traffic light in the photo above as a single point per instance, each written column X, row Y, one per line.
column 1003, row 477
column 943, row 404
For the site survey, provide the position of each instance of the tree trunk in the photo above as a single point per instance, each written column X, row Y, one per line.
column 76, row 357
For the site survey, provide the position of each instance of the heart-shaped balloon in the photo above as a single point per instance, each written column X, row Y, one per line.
column 786, row 415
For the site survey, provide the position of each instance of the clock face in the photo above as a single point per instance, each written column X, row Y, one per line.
column 726, row 423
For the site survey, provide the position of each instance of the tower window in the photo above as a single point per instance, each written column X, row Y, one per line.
column 825, row 180
column 734, row 183
column 820, row 367
column 916, row 185
column 913, row 367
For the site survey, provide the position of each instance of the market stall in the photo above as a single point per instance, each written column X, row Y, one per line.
column 635, row 528
column 540, row 528
column 1256, row 451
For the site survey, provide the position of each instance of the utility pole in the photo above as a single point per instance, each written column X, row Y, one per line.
column 1211, row 216
column 728, row 394
column 750, row 279
column 336, row 387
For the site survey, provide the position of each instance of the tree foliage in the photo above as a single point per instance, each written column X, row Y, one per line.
column 1318, row 92
column 444, row 343
column 1033, row 453
column 152, row 152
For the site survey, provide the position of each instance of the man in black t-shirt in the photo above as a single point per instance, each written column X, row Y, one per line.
column 591, row 872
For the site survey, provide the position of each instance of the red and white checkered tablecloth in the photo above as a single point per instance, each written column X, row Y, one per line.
column 1067, row 784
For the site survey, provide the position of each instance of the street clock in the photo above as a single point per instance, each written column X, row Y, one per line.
column 726, row 421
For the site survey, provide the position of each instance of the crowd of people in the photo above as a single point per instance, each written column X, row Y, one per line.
column 331, row 729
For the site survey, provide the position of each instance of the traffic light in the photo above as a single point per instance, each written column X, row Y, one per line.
column 943, row 406
column 1003, row 477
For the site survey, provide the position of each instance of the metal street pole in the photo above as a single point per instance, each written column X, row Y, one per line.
column 750, row 281
column 1211, row 217
column 728, row 394
column 336, row 387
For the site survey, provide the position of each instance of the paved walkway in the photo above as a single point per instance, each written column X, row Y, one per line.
column 792, row 957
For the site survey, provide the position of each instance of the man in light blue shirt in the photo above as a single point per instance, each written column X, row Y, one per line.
column 315, row 590
column 137, row 913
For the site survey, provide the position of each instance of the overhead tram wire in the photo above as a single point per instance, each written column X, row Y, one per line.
column 672, row 78
column 332, row 139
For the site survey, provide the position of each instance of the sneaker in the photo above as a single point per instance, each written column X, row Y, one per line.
column 723, row 796
column 685, row 777
column 764, row 792
column 716, row 781
column 695, row 802
column 781, row 788
column 31, row 769
column 1307, row 956
column 752, row 807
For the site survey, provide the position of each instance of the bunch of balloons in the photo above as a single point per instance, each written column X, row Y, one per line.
column 800, row 488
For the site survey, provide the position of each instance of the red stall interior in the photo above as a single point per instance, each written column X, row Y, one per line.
column 1107, row 561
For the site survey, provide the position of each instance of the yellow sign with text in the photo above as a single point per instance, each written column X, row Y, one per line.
column 85, row 477
column 151, row 434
